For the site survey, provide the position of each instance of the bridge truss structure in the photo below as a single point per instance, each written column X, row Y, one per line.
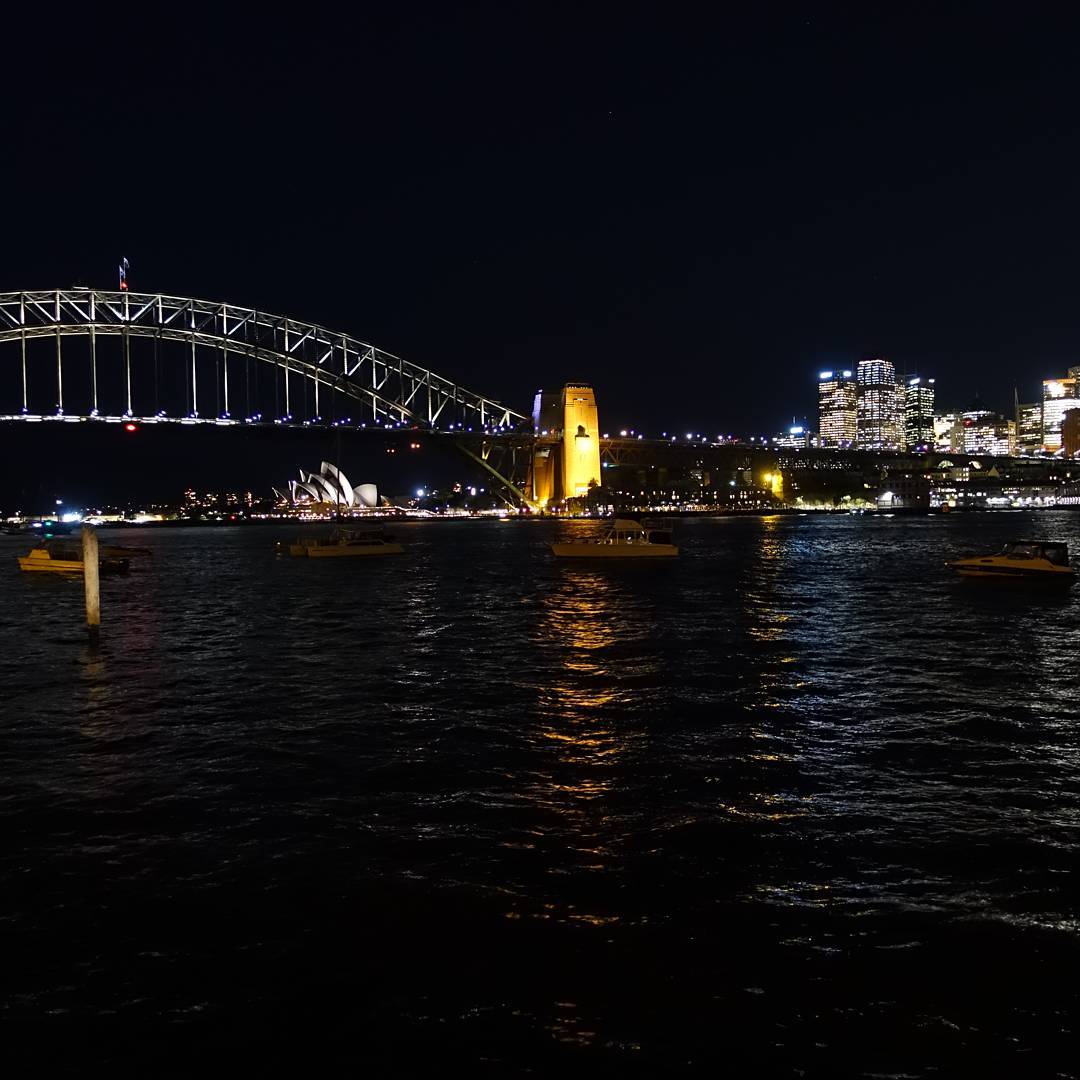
column 153, row 357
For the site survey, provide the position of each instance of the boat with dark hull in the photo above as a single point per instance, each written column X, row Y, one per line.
column 623, row 539
column 344, row 544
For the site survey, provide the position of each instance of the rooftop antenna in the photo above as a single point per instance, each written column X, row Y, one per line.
column 125, row 266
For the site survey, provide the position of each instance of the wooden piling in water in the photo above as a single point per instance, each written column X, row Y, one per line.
column 92, row 583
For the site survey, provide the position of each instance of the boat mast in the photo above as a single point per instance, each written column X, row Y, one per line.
column 337, row 485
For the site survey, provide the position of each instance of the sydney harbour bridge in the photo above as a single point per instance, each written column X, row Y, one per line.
column 83, row 355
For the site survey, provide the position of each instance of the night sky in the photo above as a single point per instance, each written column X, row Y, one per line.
column 694, row 214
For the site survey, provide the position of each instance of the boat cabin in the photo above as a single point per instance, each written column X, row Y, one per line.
column 626, row 531
column 1051, row 551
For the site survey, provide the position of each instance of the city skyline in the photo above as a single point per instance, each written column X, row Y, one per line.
column 850, row 414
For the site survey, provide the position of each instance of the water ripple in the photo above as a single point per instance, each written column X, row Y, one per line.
column 798, row 800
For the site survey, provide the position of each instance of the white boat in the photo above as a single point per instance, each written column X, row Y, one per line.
column 623, row 539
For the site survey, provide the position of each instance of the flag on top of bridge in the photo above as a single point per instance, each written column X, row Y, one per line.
column 125, row 266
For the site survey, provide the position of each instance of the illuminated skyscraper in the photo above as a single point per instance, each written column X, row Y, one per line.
column 919, row 414
column 1070, row 432
column 836, row 408
column 1059, row 395
column 987, row 433
column 1028, row 428
column 879, row 423
column 949, row 431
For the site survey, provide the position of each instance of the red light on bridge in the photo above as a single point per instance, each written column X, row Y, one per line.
column 131, row 427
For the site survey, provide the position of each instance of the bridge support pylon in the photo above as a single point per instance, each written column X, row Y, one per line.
column 566, row 455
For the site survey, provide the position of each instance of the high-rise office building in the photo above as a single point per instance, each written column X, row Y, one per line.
column 976, row 411
column 797, row 437
column 836, row 408
column 1028, row 428
column 919, row 414
column 879, row 423
column 988, row 433
column 1070, row 432
column 949, row 431
column 1059, row 395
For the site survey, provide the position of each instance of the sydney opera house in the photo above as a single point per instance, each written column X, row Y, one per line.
column 329, row 486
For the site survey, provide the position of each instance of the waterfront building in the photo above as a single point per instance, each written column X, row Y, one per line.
column 879, row 411
column 837, row 394
column 904, row 491
column 1029, row 438
column 329, row 487
column 1059, row 395
column 1070, row 431
column 919, row 414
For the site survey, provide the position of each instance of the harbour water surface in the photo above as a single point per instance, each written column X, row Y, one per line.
column 797, row 803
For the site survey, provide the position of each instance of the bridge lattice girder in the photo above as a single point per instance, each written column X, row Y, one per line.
column 392, row 388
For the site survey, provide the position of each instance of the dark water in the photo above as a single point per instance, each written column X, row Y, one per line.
column 795, row 804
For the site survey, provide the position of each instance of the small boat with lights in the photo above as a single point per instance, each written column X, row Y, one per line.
column 52, row 558
column 344, row 544
column 623, row 539
column 1020, row 560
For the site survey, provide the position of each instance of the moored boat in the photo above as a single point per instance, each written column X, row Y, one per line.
column 623, row 539
column 1020, row 560
column 344, row 543
column 53, row 558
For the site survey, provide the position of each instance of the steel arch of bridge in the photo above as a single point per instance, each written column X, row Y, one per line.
column 392, row 388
